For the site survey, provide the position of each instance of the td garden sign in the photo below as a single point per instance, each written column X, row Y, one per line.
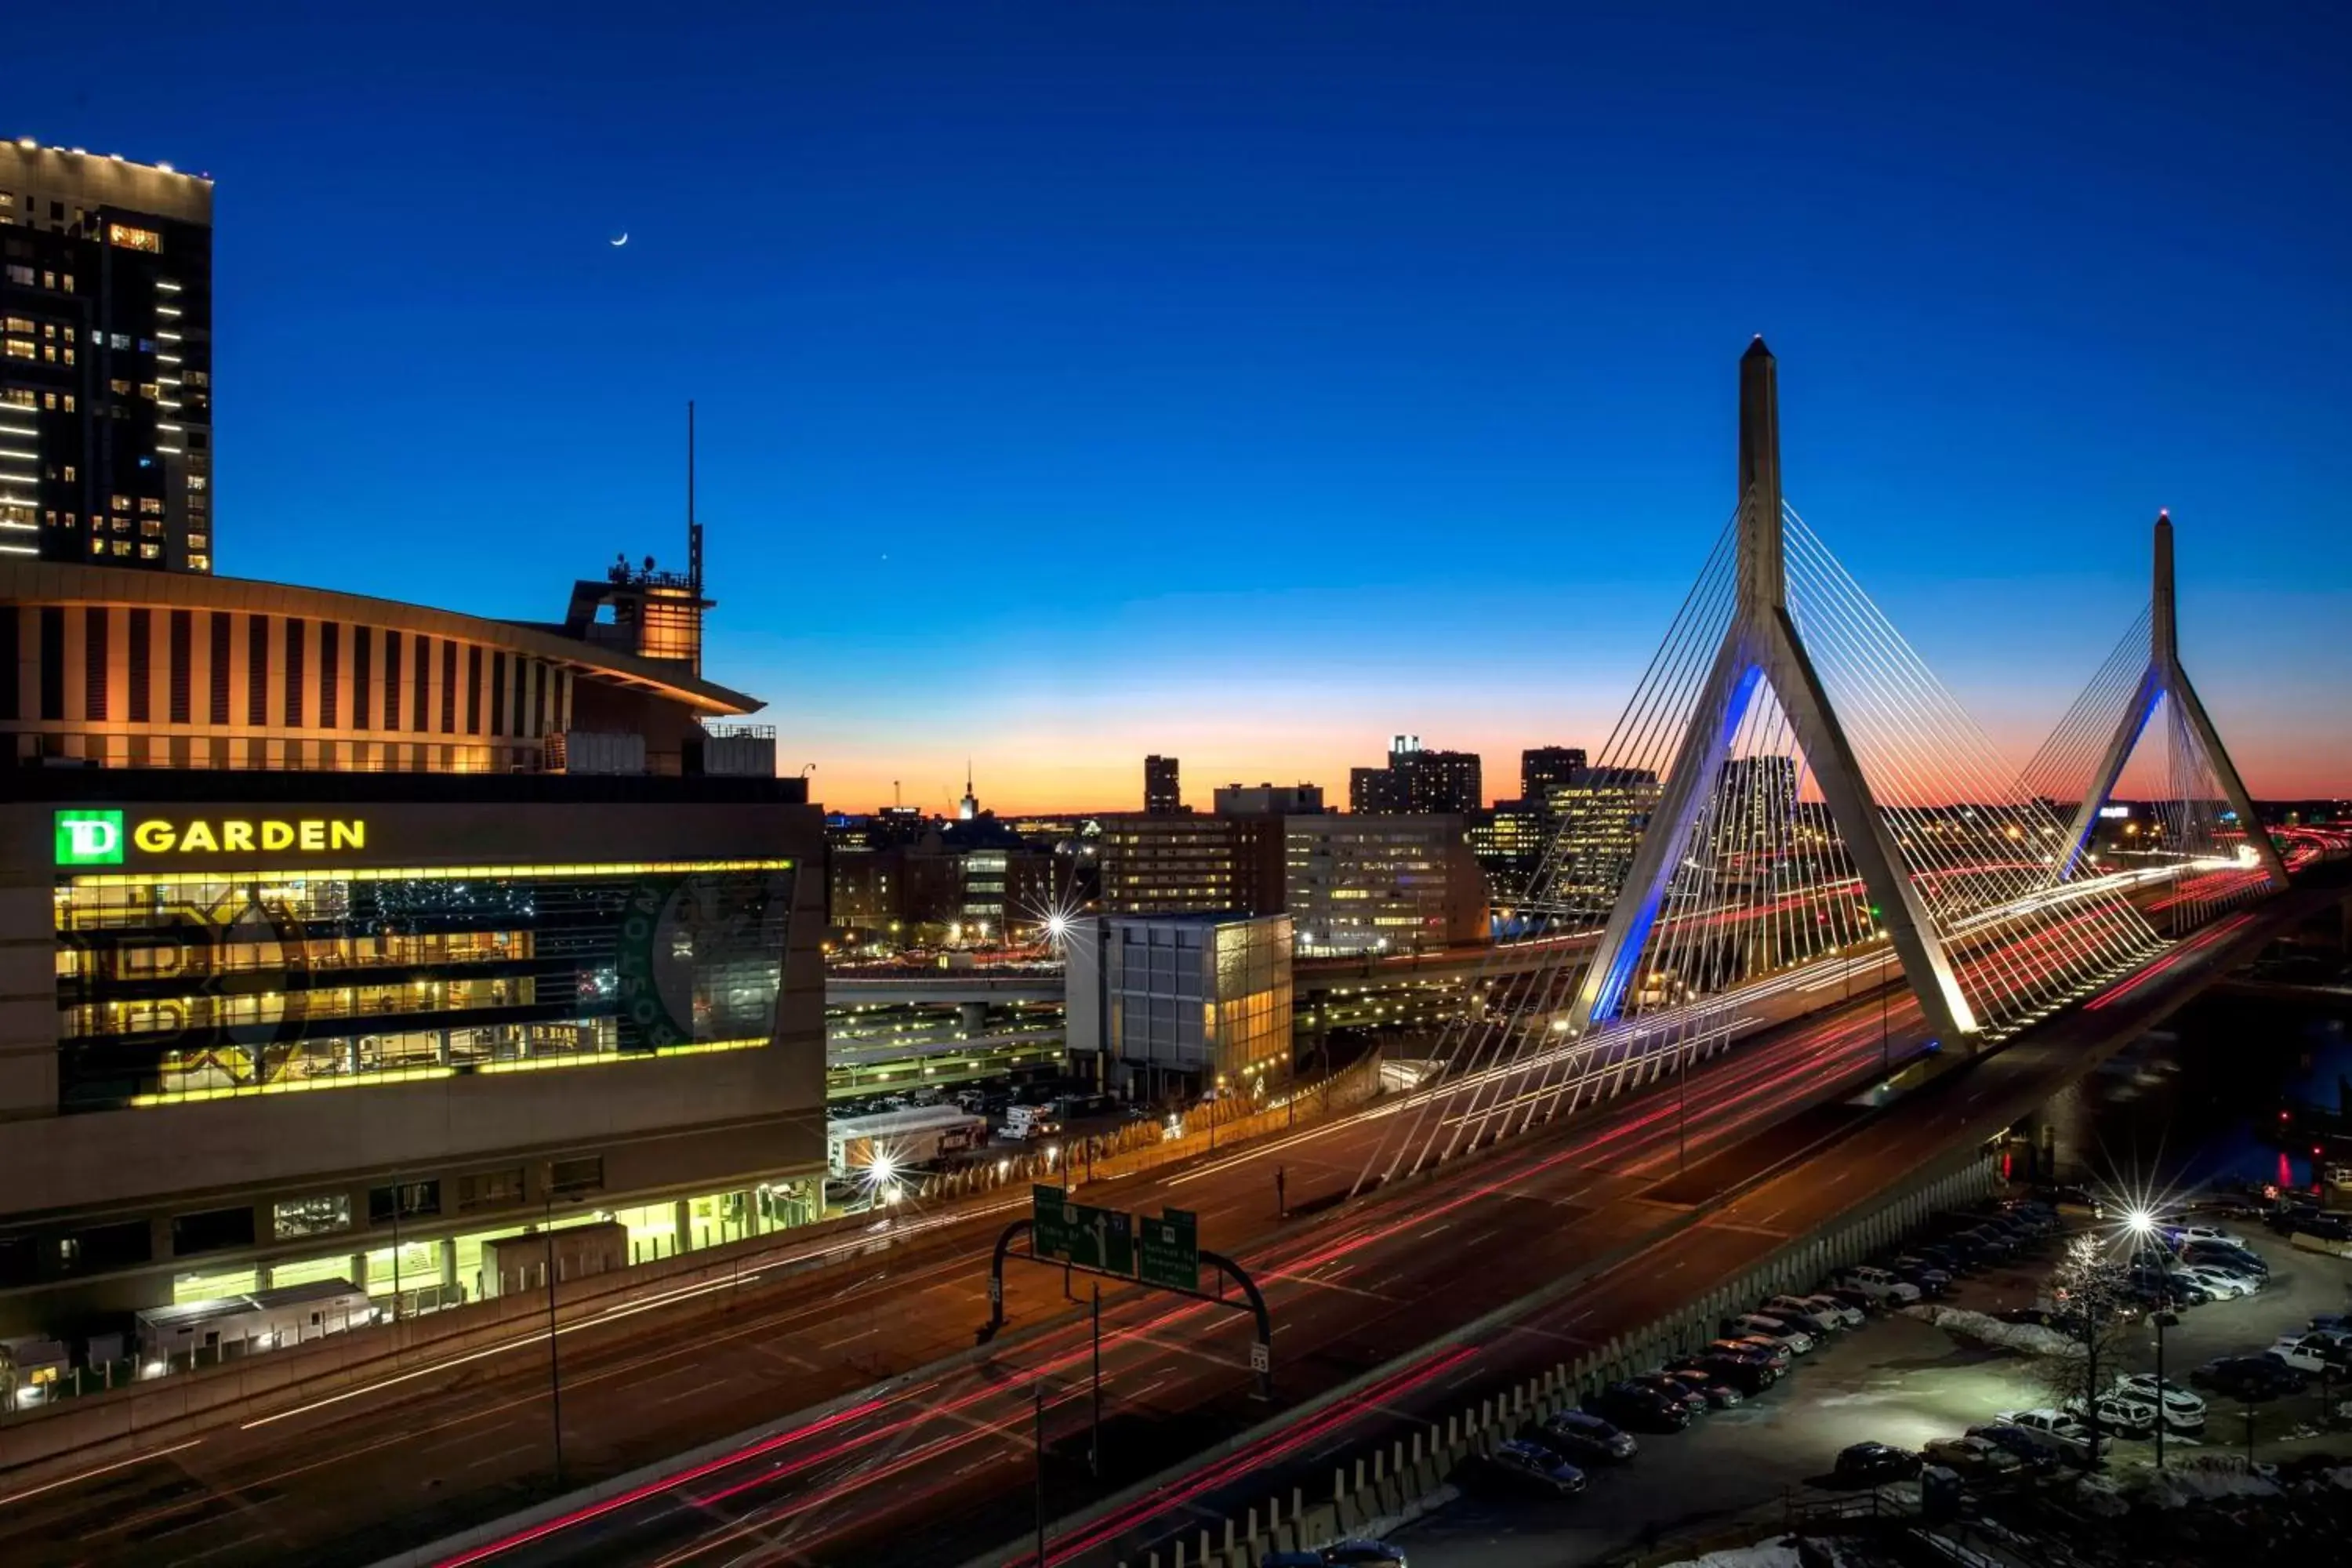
column 99, row 838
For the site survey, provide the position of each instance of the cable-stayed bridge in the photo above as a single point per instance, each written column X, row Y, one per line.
column 1792, row 805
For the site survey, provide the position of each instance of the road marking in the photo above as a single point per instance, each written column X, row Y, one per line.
column 100, row 1471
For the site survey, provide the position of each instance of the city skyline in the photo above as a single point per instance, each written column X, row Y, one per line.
column 1098, row 369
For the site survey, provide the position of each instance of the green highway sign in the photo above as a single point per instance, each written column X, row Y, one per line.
column 1171, row 1250
column 1080, row 1234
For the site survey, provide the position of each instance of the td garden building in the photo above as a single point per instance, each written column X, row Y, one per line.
column 339, row 937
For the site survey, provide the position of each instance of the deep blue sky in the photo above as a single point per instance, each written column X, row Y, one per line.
column 1252, row 380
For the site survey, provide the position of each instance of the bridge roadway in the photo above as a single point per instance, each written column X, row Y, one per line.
column 929, row 1470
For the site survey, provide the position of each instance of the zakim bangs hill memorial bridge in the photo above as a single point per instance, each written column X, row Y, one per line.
column 1848, row 947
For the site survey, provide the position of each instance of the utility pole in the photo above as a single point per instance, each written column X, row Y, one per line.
column 1093, row 1443
column 1038, row 1431
column 554, row 1369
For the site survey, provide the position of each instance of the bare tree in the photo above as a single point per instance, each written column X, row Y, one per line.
column 2086, row 1290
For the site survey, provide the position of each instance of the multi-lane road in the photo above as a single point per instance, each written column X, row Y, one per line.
column 937, row 1464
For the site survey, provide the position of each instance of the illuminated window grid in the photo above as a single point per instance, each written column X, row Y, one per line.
column 420, row 1074
column 413, row 873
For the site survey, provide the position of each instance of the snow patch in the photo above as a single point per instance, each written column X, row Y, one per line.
column 1769, row 1554
column 2027, row 1339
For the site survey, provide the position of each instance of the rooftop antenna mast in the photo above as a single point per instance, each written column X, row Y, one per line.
column 693, row 529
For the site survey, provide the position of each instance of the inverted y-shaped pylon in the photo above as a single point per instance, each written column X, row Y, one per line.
column 2162, row 678
column 1761, row 643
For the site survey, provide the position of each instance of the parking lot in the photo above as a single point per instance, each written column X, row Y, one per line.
column 1898, row 1380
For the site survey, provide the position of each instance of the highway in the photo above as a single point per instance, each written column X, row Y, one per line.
column 942, row 1465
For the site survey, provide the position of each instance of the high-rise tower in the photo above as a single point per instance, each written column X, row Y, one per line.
column 106, row 360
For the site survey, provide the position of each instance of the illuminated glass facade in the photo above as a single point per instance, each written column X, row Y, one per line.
column 176, row 988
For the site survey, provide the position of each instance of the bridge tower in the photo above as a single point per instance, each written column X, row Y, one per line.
column 2164, row 678
column 1763, row 643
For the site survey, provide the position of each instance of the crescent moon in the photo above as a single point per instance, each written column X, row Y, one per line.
column 620, row 242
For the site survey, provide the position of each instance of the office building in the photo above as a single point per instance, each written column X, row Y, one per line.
column 516, row 916
column 1188, row 863
column 1418, row 781
column 1162, row 792
column 1543, row 769
column 1180, row 1004
column 1598, row 818
column 1269, row 800
column 1510, row 842
column 1358, row 885
column 106, row 361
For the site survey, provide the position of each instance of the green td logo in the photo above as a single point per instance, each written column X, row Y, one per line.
column 90, row 839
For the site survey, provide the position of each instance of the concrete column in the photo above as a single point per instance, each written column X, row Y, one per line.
column 682, row 1217
column 448, row 1249
column 262, row 1276
column 973, row 1016
column 359, row 1269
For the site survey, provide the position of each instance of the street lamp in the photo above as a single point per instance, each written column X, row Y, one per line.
column 2162, row 1320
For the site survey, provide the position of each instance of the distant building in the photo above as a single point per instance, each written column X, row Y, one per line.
column 1599, row 817
column 1509, row 843
column 106, row 394
column 1186, row 863
column 1366, row 884
column 1181, row 1003
column 1269, row 800
column 1162, row 792
column 1543, row 769
column 1418, row 781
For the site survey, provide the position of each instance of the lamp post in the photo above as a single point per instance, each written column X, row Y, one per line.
column 554, row 1369
column 2162, row 1320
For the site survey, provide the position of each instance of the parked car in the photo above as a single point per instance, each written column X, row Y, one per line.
column 1719, row 1394
column 1750, row 1377
column 2215, row 1255
column 2315, row 1352
column 2122, row 1415
column 2183, row 1234
column 2183, row 1410
column 1585, row 1438
column 1761, row 1351
column 1631, row 1405
column 1849, row 1314
column 1932, row 1278
column 2029, row 1316
column 1868, row 1464
column 2222, row 1284
column 1972, row 1457
column 1804, row 1315
column 2056, row 1429
column 1881, row 1285
column 1529, row 1466
column 2030, row 1451
column 2252, row 1378
column 1855, row 1300
column 1667, row 1386
column 1787, row 1335
column 1361, row 1553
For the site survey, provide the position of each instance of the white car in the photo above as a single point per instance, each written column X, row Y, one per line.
column 2054, row 1429
column 2184, row 1408
column 1880, row 1285
column 2122, row 1415
column 1789, row 1337
column 1830, row 1306
column 1804, row 1315
column 2222, row 1284
column 2183, row 1234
